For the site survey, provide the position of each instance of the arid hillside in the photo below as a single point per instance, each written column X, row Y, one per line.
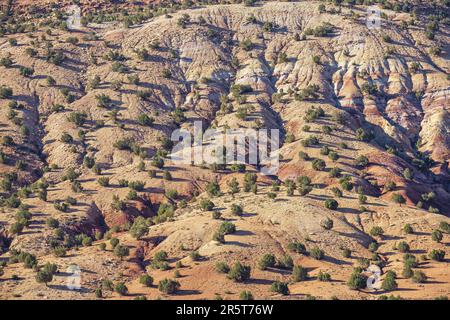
column 86, row 117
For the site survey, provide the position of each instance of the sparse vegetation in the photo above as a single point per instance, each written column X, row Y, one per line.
column 89, row 122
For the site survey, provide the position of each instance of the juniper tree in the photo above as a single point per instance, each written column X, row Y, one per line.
column 168, row 286
column 121, row 288
column 327, row 224
column 299, row 273
column 121, row 251
column 436, row 235
column 234, row 186
column 239, row 272
column 267, row 261
column 44, row 277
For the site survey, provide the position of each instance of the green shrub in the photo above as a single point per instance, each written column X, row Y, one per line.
column 285, row 262
column 331, row 204
column 390, row 186
column 357, row 281
column 436, row 235
column 345, row 183
column 361, row 134
column 246, row 45
column 227, row 228
column 323, row 276
column 419, row 277
column 121, row 288
column 5, row 92
column 267, row 261
column 373, row 246
column 146, row 280
column 318, row 164
column 304, row 190
column 107, row 285
column 239, row 272
column 437, row 255
column 407, row 229
column 403, row 246
column 98, row 293
column 271, row 195
column 121, row 251
column 61, row 206
column 222, row 267
column 25, row 71
column 327, row 224
column 376, row 231
column 167, row 175
column 299, row 273
column 444, row 226
column 118, row 67
column 304, row 180
column 364, row 263
column 310, row 141
column 362, row 199
column 346, row 253
column 59, row 252
column 219, row 237
column 78, row 118
column 407, row 174
column 246, row 295
column 44, row 277
column 206, row 205
column 236, row 209
column 139, row 227
column 195, row 256
column 389, row 283
column 337, row 192
column 216, row 214
column 398, row 198
column 6, row 62
column 317, row 253
column 333, row 156
column 303, row 155
column 118, row 204
column 213, row 189
column 410, row 261
column 136, row 185
column 158, row 162
column 324, row 150
column 160, row 256
column 145, row 120
column 297, row 247
column 234, row 186
column 72, row 40
column 166, row 73
column 316, row 59
column 279, row 287
column 165, row 212
column 103, row 181
column 87, row 241
column 52, row 223
column 132, row 195
column 17, row 227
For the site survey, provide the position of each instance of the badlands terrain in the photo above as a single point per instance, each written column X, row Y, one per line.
column 92, row 207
